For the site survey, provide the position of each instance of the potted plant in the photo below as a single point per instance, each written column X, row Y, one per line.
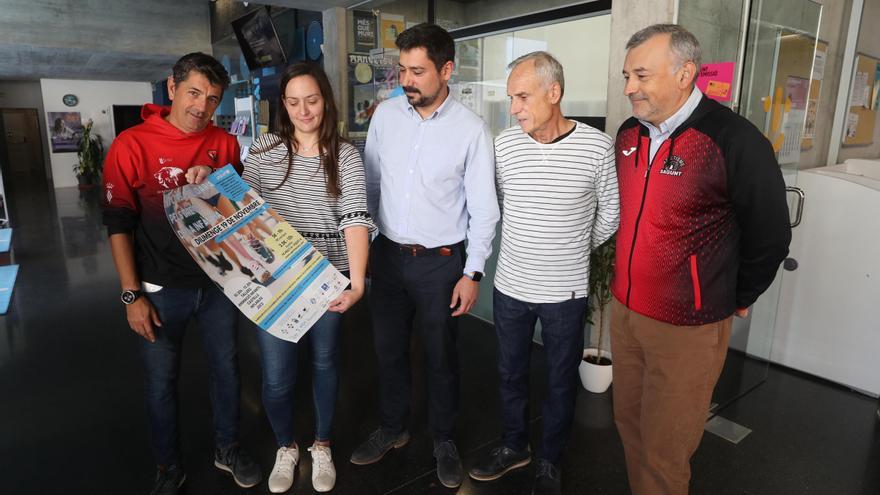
column 90, row 156
column 595, row 369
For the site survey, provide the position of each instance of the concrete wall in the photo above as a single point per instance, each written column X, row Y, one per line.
column 27, row 94
column 869, row 44
column 627, row 17
column 336, row 35
column 95, row 102
column 99, row 39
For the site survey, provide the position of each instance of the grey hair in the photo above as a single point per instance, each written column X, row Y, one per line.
column 684, row 44
column 549, row 69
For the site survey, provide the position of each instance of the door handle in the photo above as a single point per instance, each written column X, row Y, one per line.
column 800, row 204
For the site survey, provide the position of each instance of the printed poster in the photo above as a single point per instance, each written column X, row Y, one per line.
column 373, row 80
column 716, row 80
column 65, row 131
column 364, row 31
column 392, row 25
column 876, row 93
column 794, row 120
column 264, row 266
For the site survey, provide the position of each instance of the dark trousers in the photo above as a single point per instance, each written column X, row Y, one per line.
column 405, row 288
column 562, row 331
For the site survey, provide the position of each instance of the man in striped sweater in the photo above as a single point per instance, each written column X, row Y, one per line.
column 558, row 191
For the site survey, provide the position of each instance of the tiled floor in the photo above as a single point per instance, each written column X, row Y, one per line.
column 72, row 419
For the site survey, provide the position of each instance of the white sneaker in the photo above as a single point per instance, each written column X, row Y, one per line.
column 281, row 478
column 323, row 471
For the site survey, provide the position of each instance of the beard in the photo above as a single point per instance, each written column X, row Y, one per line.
column 418, row 99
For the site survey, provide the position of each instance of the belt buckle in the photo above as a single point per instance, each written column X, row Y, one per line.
column 444, row 251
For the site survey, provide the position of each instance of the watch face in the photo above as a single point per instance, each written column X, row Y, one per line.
column 477, row 276
column 128, row 297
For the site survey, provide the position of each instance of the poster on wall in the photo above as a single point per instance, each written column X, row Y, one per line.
column 373, row 80
column 364, row 31
column 65, row 131
column 794, row 120
column 263, row 265
column 716, row 80
column 392, row 25
column 876, row 92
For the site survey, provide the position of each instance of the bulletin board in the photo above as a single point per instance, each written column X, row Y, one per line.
column 861, row 111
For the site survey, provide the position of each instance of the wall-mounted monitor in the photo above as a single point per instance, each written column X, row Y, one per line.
column 258, row 39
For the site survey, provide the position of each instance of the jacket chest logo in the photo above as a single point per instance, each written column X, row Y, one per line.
column 169, row 177
column 672, row 166
column 212, row 154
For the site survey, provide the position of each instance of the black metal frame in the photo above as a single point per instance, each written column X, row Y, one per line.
column 595, row 7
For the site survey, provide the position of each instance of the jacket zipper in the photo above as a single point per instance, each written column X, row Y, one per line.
column 632, row 248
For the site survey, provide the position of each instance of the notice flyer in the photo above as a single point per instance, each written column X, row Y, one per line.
column 264, row 266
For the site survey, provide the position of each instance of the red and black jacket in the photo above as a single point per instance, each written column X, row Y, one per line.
column 705, row 225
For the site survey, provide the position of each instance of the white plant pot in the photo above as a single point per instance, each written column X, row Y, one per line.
column 595, row 378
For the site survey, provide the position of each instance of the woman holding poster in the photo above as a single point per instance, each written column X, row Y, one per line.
column 315, row 180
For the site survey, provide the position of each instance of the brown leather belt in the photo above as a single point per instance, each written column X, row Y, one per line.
column 419, row 250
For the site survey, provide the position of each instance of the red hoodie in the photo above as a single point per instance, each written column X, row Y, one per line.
column 143, row 162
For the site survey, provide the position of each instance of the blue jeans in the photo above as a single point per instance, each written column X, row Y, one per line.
column 217, row 318
column 562, row 330
column 279, row 358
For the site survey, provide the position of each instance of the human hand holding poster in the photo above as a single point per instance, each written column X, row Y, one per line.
column 274, row 276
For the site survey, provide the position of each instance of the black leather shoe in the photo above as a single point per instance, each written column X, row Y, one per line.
column 448, row 463
column 548, row 480
column 375, row 447
column 168, row 481
column 499, row 461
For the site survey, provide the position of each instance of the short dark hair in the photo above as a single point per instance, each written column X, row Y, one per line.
column 205, row 65
column 433, row 38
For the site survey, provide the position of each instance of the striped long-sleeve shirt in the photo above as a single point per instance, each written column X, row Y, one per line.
column 558, row 201
column 303, row 200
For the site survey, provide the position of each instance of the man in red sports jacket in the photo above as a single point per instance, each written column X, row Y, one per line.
column 703, row 228
column 162, row 286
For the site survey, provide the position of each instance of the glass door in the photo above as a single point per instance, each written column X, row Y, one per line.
column 782, row 67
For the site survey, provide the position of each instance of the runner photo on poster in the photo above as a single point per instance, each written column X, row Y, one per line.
column 264, row 266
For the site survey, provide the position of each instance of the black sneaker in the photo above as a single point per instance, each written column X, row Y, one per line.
column 499, row 461
column 237, row 462
column 548, row 480
column 379, row 443
column 168, row 481
column 448, row 463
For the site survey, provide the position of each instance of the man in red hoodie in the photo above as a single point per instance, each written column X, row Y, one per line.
column 162, row 286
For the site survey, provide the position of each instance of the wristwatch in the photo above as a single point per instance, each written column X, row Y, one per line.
column 476, row 276
column 130, row 296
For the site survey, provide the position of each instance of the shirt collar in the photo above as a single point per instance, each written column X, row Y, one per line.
column 437, row 112
column 669, row 125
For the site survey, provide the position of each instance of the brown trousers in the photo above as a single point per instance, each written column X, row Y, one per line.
column 663, row 380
